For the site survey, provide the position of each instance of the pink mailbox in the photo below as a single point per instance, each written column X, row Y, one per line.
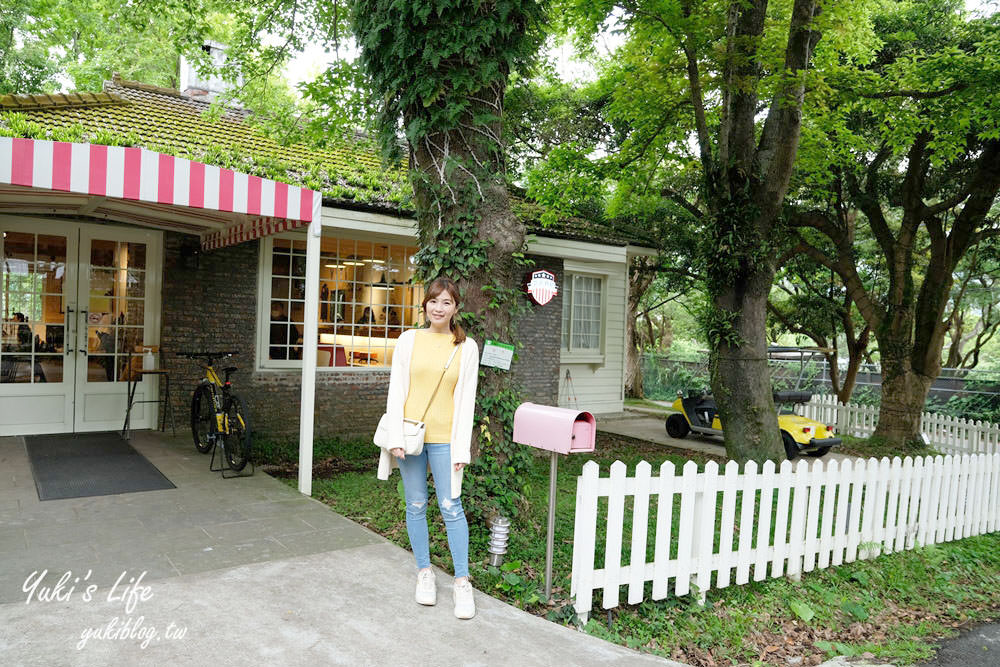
column 556, row 430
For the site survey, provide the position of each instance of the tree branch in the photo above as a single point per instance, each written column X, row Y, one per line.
column 681, row 201
column 916, row 94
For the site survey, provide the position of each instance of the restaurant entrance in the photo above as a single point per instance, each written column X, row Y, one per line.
column 78, row 302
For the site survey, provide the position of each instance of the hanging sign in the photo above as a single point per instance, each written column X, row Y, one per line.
column 541, row 287
column 498, row 355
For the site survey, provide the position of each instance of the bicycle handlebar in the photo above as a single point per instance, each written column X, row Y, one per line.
column 207, row 355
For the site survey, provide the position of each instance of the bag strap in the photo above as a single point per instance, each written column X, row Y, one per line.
column 440, row 379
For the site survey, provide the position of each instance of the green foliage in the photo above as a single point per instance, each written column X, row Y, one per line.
column 432, row 63
column 802, row 610
column 24, row 67
column 663, row 378
column 454, row 250
column 981, row 404
column 87, row 41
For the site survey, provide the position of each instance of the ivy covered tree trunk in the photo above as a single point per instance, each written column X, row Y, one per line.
column 469, row 233
column 440, row 67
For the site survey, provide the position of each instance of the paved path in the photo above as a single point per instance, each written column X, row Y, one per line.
column 979, row 647
column 345, row 607
column 647, row 426
column 243, row 571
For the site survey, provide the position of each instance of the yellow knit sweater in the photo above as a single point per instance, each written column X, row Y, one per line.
column 430, row 354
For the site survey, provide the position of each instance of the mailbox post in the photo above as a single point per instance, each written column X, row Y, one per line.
column 558, row 431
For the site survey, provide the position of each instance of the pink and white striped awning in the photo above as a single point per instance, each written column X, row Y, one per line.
column 141, row 186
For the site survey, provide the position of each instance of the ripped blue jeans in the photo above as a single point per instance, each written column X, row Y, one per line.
column 414, row 472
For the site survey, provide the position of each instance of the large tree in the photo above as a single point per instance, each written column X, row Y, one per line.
column 912, row 152
column 729, row 79
column 438, row 72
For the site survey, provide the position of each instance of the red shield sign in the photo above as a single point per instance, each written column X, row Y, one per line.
column 541, row 287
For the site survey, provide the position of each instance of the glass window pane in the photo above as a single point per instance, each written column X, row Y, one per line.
column 15, row 368
column 130, row 340
column 280, row 265
column 18, row 252
column 17, row 333
column 50, row 338
column 136, row 283
column 135, row 311
column 135, row 255
column 51, row 263
column 103, row 252
column 52, row 308
column 100, row 368
column 280, row 287
column 105, row 282
column 100, row 340
column 48, row 367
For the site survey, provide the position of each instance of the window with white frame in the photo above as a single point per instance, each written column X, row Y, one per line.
column 367, row 298
column 582, row 319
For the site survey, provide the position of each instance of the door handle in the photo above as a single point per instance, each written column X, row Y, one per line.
column 66, row 335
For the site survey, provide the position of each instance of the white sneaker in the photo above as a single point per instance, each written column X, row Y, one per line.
column 465, row 605
column 426, row 588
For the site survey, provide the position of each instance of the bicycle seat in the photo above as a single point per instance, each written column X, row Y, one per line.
column 229, row 369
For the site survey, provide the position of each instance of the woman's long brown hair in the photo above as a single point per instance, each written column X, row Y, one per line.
column 445, row 285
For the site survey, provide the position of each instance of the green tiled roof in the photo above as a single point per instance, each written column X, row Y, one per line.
column 161, row 119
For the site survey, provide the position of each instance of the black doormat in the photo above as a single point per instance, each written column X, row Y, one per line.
column 89, row 464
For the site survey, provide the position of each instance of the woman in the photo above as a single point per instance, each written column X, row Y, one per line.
column 435, row 372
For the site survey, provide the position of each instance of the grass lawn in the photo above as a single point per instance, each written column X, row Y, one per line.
column 891, row 607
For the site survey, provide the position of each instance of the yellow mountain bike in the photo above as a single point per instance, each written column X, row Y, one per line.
column 219, row 416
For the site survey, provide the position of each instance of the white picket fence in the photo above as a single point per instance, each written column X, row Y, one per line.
column 814, row 514
column 950, row 435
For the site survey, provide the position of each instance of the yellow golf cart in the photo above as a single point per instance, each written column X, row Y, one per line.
column 697, row 412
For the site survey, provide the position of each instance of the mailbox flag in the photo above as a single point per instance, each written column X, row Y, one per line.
column 542, row 287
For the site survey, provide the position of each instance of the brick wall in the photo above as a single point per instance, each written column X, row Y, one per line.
column 213, row 306
column 540, row 330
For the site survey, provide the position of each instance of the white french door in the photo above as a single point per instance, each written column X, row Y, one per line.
column 78, row 302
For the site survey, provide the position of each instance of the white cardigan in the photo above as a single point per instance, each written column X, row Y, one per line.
column 462, row 419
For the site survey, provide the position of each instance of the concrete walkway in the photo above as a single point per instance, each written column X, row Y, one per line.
column 644, row 425
column 234, row 572
column 977, row 647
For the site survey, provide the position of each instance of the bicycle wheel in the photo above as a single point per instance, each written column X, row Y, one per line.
column 203, row 419
column 238, row 439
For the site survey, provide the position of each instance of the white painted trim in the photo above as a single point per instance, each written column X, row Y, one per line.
column 588, row 357
column 310, row 333
column 589, row 268
column 640, row 251
column 378, row 224
column 579, row 250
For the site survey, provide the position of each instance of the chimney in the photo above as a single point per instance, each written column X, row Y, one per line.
column 204, row 88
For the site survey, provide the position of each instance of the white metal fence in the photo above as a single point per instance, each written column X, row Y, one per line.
column 766, row 522
column 950, row 435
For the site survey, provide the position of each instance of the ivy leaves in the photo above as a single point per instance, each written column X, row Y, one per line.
column 428, row 61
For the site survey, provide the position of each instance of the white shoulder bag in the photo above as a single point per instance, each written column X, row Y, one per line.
column 413, row 430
